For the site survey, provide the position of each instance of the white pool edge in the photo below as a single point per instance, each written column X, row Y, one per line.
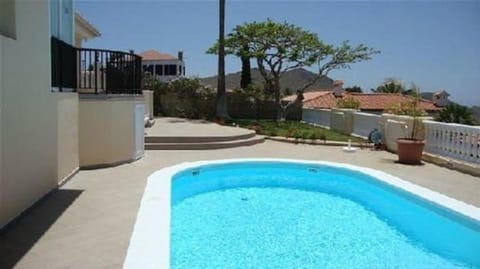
column 150, row 241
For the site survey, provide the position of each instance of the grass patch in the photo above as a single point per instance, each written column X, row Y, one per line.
column 294, row 129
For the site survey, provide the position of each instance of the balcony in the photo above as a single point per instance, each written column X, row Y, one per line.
column 94, row 71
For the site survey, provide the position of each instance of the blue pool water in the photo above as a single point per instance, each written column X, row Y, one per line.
column 285, row 215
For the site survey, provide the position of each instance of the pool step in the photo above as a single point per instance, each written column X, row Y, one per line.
column 202, row 143
column 198, row 139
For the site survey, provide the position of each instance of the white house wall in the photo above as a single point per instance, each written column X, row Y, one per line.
column 28, row 112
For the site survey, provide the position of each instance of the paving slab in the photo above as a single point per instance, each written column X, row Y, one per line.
column 88, row 222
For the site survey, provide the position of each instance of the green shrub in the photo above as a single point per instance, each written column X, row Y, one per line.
column 454, row 113
column 348, row 102
column 272, row 132
column 297, row 135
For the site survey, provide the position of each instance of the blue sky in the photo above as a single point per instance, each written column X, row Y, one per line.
column 435, row 44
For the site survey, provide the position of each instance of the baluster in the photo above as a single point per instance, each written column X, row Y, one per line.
column 455, row 141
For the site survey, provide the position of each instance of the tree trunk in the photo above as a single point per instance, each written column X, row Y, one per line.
column 221, row 100
column 278, row 101
column 246, row 74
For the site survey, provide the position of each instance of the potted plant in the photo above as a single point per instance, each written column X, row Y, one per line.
column 410, row 147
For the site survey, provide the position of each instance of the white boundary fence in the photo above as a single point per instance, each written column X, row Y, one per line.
column 364, row 123
column 317, row 116
column 452, row 140
column 456, row 141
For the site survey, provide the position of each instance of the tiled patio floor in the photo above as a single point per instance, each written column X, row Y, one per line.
column 88, row 222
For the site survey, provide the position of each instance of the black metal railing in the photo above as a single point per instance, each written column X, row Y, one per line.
column 106, row 71
column 64, row 65
column 94, row 70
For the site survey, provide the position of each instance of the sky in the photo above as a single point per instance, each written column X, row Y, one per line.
column 434, row 44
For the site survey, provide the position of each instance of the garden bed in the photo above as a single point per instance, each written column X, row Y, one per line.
column 294, row 129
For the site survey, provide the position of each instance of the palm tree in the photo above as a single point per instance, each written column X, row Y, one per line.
column 221, row 100
column 391, row 85
column 454, row 113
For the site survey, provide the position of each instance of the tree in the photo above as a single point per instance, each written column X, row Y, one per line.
column 221, row 99
column 354, row 89
column 246, row 79
column 392, row 85
column 454, row 113
column 280, row 47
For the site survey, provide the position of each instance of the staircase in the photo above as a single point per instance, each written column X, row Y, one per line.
column 201, row 142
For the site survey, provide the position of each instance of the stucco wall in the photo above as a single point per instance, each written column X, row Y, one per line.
column 342, row 120
column 29, row 112
column 317, row 116
column 148, row 95
column 107, row 129
column 67, row 134
column 364, row 123
column 394, row 127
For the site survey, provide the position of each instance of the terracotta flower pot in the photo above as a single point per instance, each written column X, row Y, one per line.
column 410, row 150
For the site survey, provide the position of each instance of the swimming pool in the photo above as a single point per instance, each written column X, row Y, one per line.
column 297, row 214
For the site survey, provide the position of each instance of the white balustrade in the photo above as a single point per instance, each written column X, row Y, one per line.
column 458, row 141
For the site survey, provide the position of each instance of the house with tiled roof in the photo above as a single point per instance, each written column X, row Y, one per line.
column 164, row 66
column 369, row 102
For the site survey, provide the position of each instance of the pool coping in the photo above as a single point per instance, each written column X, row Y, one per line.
column 150, row 241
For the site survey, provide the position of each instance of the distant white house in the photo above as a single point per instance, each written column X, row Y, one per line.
column 164, row 66
column 84, row 30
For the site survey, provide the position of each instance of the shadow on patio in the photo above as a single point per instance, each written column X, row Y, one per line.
column 18, row 237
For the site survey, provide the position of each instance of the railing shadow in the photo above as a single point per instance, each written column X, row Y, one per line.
column 19, row 236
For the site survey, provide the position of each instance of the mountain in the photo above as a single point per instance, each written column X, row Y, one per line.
column 292, row 80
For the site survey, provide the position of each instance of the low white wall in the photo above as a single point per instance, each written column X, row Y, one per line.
column 342, row 120
column 67, row 134
column 394, row 127
column 107, row 129
column 458, row 141
column 319, row 117
column 148, row 96
column 364, row 123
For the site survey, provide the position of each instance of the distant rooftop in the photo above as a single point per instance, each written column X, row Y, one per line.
column 154, row 55
column 325, row 99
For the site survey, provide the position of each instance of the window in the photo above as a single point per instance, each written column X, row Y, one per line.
column 7, row 18
column 148, row 68
column 159, row 69
column 170, row 70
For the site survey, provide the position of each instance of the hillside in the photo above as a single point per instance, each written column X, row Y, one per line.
column 292, row 79
column 476, row 113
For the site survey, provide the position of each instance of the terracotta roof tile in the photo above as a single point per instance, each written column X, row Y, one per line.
column 155, row 55
column 368, row 101
column 307, row 96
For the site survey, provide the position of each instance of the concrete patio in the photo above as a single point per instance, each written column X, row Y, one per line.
column 87, row 223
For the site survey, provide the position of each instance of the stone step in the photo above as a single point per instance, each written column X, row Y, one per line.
column 197, row 139
column 205, row 145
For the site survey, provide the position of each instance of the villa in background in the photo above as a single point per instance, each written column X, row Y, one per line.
column 375, row 103
column 84, row 30
column 164, row 66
